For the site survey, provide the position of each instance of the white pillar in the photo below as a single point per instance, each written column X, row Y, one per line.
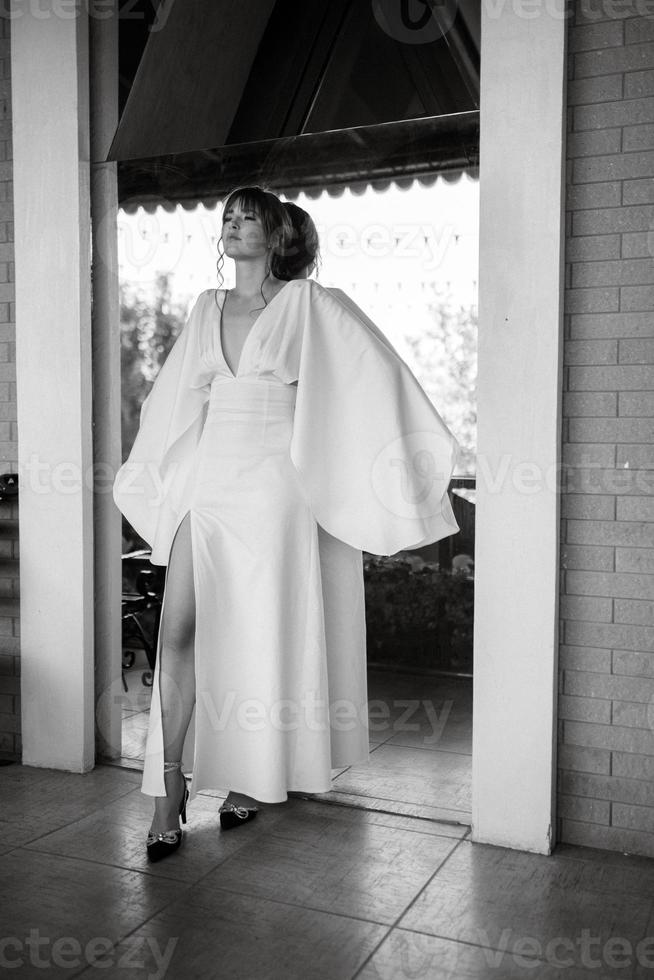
column 520, row 338
column 49, row 59
column 106, row 381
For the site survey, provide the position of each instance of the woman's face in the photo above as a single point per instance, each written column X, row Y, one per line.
column 244, row 236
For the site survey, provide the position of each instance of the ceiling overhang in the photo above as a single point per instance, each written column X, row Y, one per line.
column 191, row 77
column 295, row 95
column 391, row 151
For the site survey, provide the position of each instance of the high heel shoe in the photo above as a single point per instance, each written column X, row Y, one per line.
column 160, row 846
column 232, row 815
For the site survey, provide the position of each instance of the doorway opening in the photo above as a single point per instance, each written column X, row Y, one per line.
column 406, row 253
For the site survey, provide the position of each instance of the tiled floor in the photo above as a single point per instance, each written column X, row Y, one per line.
column 378, row 890
column 309, row 890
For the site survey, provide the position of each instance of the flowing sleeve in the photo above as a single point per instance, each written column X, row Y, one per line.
column 149, row 487
column 373, row 455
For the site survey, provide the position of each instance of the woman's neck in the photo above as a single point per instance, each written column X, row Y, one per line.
column 250, row 277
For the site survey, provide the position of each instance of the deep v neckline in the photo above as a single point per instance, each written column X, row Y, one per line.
column 235, row 374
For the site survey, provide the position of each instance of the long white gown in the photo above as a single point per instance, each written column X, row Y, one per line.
column 321, row 444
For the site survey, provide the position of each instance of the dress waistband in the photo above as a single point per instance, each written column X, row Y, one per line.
column 251, row 401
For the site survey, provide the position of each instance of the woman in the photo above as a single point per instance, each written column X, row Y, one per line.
column 282, row 437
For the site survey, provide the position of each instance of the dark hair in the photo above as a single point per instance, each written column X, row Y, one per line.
column 299, row 254
column 276, row 222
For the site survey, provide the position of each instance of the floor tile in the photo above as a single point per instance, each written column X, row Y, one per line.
column 438, row 726
column 115, row 836
column 39, row 801
column 370, row 811
column 392, row 687
column 426, row 723
column 457, row 820
column 410, row 775
column 217, row 934
column 134, row 734
column 48, row 897
column 496, row 897
column 402, row 684
column 643, row 866
column 378, row 738
column 408, row 955
column 317, row 860
column 457, row 740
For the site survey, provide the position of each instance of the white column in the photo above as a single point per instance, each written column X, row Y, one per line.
column 106, row 381
column 520, row 339
column 53, row 363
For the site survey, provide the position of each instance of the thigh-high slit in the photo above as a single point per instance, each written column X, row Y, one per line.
column 176, row 652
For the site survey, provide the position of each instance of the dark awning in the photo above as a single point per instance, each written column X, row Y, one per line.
column 294, row 94
column 190, row 78
column 377, row 154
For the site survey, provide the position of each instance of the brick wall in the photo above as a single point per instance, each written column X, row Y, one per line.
column 606, row 710
column 9, row 612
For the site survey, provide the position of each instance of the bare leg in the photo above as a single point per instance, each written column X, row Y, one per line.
column 177, row 671
column 177, row 675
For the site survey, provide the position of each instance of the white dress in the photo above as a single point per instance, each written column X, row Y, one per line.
column 321, row 445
